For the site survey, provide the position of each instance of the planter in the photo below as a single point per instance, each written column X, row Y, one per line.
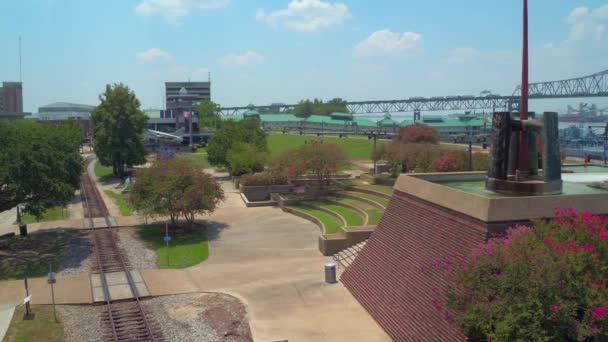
column 262, row 192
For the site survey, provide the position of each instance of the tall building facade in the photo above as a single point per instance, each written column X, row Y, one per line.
column 11, row 97
column 184, row 95
column 180, row 99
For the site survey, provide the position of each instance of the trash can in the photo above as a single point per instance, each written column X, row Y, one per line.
column 23, row 229
column 330, row 273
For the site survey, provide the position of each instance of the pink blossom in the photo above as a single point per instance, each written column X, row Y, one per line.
column 554, row 308
column 588, row 248
column 599, row 312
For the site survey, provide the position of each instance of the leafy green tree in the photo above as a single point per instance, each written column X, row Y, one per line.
column 175, row 187
column 306, row 108
column 118, row 125
column 40, row 165
column 232, row 132
column 246, row 158
column 207, row 113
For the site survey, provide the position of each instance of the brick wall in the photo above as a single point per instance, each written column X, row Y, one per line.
column 386, row 277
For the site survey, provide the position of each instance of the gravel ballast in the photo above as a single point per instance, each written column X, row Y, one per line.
column 140, row 256
column 78, row 257
column 200, row 317
column 81, row 323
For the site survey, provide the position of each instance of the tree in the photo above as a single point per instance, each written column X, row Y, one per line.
column 175, row 187
column 232, row 132
column 118, row 125
column 207, row 113
column 40, row 165
column 322, row 160
column 417, row 133
column 542, row 284
column 306, row 108
column 245, row 158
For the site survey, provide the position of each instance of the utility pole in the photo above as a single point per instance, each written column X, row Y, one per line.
column 20, row 72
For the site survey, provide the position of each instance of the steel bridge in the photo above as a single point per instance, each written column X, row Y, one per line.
column 595, row 85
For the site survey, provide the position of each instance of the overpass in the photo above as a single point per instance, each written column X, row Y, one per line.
column 595, row 85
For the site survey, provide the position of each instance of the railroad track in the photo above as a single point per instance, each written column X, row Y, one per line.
column 125, row 320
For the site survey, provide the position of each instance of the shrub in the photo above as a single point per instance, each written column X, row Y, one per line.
column 546, row 284
column 245, row 158
column 417, row 133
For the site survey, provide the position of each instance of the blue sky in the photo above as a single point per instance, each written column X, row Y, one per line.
column 282, row 50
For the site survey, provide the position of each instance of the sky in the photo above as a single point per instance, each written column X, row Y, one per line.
column 285, row 50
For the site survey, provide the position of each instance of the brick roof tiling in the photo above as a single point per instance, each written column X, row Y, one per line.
column 392, row 278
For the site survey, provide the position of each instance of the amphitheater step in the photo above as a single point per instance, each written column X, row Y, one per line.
column 346, row 257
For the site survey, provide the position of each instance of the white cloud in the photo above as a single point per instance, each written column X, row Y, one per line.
column 174, row 10
column 306, row 15
column 586, row 23
column 388, row 43
column 247, row 58
column 154, row 55
column 601, row 13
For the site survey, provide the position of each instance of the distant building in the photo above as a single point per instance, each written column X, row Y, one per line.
column 65, row 111
column 185, row 95
column 180, row 98
column 60, row 112
column 11, row 97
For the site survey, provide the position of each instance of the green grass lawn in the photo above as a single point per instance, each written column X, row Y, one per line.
column 374, row 214
column 355, row 148
column 200, row 159
column 121, row 202
column 41, row 328
column 332, row 224
column 378, row 199
column 52, row 214
column 188, row 247
column 31, row 255
column 102, row 171
column 352, row 217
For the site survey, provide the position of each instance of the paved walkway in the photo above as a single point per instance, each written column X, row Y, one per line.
column 265, row 257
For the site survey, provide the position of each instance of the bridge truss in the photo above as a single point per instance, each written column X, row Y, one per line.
column 595, row 85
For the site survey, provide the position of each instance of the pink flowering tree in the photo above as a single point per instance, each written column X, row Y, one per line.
column 542, row 284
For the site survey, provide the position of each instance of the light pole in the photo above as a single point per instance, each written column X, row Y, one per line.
column 167, row 238
column 52, row 280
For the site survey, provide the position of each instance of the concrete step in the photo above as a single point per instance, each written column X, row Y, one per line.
column 346, row 257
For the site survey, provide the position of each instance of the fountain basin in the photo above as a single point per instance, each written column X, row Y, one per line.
column 464, row 193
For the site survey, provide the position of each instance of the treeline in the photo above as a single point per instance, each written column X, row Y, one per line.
column 40, row 164
column 306, row 108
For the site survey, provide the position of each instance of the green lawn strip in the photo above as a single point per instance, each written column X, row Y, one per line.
column 378, row 188
column 332, row 224
column 352, row 218
column 51, row 214
column 41, row 328
column 200, row 159
column 374, row 216
column 356, row 149
column 121, row 202
column 381, row 200
column 102, row 171
column 32, row 254
column 188, row 247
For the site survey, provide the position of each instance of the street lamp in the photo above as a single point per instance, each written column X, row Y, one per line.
column 167, row 238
